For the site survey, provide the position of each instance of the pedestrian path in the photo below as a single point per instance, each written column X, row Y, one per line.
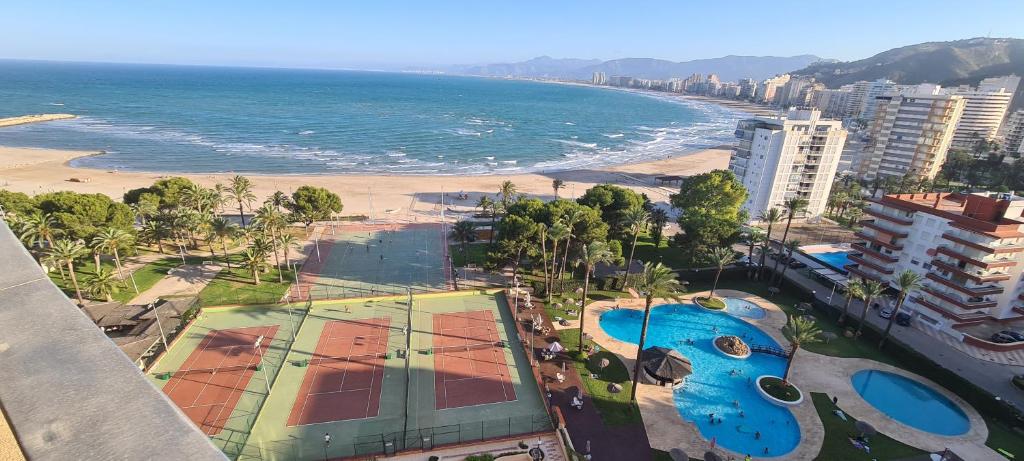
column 1004, row 358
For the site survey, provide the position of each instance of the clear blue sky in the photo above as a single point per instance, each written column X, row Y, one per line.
column 391, row 34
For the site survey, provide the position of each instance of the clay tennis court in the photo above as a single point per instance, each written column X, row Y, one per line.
column 213, row 377
column 469, row 361
column 344, row 376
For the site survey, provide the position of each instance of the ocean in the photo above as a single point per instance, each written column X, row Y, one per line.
column 286, row 121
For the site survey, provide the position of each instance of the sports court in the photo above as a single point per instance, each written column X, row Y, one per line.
column 469, row 363
column 369, row 260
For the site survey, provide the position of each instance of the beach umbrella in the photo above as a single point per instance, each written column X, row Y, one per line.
column 828, row 336
column 603, row 363
column 614, row 388
column 556, row 347
column 665, row 364
column 864, row 428
column 678, row 455
column 711, row 456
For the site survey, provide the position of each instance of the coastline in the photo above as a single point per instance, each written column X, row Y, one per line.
column 380, row 196
column 33, row 118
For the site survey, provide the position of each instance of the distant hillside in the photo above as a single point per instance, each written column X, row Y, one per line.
column 728, row 67
column 946, row 63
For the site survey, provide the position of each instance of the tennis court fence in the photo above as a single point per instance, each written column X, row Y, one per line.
column 320, row 291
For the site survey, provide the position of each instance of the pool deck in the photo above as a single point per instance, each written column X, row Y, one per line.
column 811, row 373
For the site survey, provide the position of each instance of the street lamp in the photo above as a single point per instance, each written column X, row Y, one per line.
column 259, row 350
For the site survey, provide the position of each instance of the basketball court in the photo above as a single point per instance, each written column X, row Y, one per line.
column 469, row 361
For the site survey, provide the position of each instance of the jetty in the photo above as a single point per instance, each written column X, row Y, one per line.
column 37, row 118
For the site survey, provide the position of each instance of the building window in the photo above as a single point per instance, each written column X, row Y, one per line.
column 926, row 266
column 915, row 262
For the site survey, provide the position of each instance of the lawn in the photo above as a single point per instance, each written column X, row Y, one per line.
column 235, row 286
column 145, row 277
column 645, row 251
column 615, row 409
column 476, row 254
column 837, row 444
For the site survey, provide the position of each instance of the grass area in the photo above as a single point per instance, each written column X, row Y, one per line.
column 615, row 408
column 782, row 391
column 837, row 432
column 646, row 251
column 145, row 277
column 235, row 286
column 1001, row 436
column 476, row 254
column 715, row 303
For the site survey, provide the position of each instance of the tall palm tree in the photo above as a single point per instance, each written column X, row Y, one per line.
column 153, row 231
column 799, row 331
column 720, row 257
column 854, row 290
column 223, row 229
column 790, row 247
column 66, row 252
column 240, row 191
column 487, row 205
column 754, row 238
column 38, row 227
column 254, row 261
column 111, row 239
column 277, row 200
column 907, row 281
column 635, row 221
column 557, row 184
column 792, row 206
column 542, row 229
column 770, row 216
column 571, row 218
column 590, row 256
column 273, row 221
column 288, row 242
column 507, row 192
column 872, row 289
column 656, row 281
column 103, row 285
column 659, row 217
column 556, row 233
column 463, row 232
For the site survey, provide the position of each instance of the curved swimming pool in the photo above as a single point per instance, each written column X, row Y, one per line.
column 910, row 402
column 717, row 381
column 743, row 308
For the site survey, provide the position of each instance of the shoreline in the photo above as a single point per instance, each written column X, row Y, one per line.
column 33, row 118
column 381, row 196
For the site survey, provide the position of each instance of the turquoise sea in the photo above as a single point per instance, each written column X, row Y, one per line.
column 287, row 121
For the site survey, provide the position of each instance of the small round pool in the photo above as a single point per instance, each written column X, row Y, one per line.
column 910, row 402
column 743, row 308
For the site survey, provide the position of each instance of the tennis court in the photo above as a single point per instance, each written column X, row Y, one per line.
column 469, row 361
column 343, row 379
column 212, row 379
column 370, row 260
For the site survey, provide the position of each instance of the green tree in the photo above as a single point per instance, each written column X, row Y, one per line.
column 272, row 221
column 871, row 290
column 65, row 252
column 635, row 220
column 711, row 213
column 167, row 191
column 16, row 203
column 792, row 206
column 278, row 200
column 38, row 228
column 854, row 290
column 754, row 238
column 656, row 282
column 613, row 202
column 487, row 205
column 507, row 192
column 591, row 255
column 659, row 218
column 111, row 239
column 103, row 284
column 557, row 184
column 223, row 230
column 288, row 242
column 240, row 191
column 906, row 282
column 255, row 262
column 315, row 204
column 81, row 216
column 558, row 232
column 790, row 247
column 799, row 331
column 771, row 217
column 720, row 257
column 463, row 232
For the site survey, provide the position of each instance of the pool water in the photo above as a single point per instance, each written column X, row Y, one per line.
column 835, row 259
column 717, row 380
column 744, row 309
column 910, row 402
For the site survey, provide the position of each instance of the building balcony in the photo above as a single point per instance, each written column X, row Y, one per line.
column 972, row 291
column 875, row 266
column 976, row 276
column 945, row 250
column 894, row 219
column 873, row 239
column 959, row 317
column 874, row 254
column 855, row 270
column 874, row 226
column 977, row 303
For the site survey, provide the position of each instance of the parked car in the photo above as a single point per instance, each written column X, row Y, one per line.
column 903, row 319
column 1013, row 334
column 794, row 264
column 1002, row 339
column 886, row 312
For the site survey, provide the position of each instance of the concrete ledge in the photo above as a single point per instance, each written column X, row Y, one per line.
column 779, row 402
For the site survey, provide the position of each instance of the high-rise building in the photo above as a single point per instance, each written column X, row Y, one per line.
column 793, row 92
column 866, row 107
column 768, row 91
column 831, row 103
column 910, row 133
column 599, row 78
column 985, row 109
column 1013, row 135
column 777, row 159
column 969, row 248
column 748, row 88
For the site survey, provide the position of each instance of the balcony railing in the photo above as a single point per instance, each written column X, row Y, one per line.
column 974, row 291
column 977, row 303
column 873, row 239
column 874, row 254
column 887, row 217
column 873, row 225
column 960, row 317
column 877, row 267
column 946, row 250
column 977, row 276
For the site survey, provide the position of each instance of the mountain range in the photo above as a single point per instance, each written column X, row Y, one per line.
column 728, row 67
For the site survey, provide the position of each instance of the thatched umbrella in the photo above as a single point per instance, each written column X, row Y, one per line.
column 678, row 455
column 711, row 456
column 603, row 363
column 864, row 428
column 665, row 365
column 828, row 336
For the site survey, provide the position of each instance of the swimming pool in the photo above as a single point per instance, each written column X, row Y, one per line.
column 714, row 386
column 834, row 259
column 744, row 309
column 910, row 402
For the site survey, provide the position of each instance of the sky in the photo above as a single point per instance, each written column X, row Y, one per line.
column 381, row 34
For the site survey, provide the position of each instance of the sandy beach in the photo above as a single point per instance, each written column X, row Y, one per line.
column 412, row 198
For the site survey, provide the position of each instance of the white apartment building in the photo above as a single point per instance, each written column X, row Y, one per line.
column 769, row 90
column 969, row 248
column 599, row 78
column 831, row 103
column 1013, row 135
column 866, row 107
column 777, row 159
column 985, row 109
column 910, row 134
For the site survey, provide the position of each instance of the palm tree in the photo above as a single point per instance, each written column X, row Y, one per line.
column 66, row 252
column 659, row 217
column 656, row 281
column 277, row 200
column 799, row 331
column 110, row 239
column 872, row 289
column 287, row 243
column 272, row 221
column 38, row 227
column 241, row 192
column 754, row 238
column 153, row 232
column 254, row 261
column 557, row 184
column 464, row 232
column 793, row 206
column 592, row 254
column 556, row 233
column 223, row 229
column 103, row 284
column 771, row 216
column 720, row 257
column 907, row 281
column 635, row 221
column 487, row 205
column 854, row 290
column 790, row 246
column 542, row 229
column 507, row 192
column 571, row 218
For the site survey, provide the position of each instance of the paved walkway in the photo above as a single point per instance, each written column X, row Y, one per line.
column 1015, row 358
column 182, row 280
column 548, row 442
